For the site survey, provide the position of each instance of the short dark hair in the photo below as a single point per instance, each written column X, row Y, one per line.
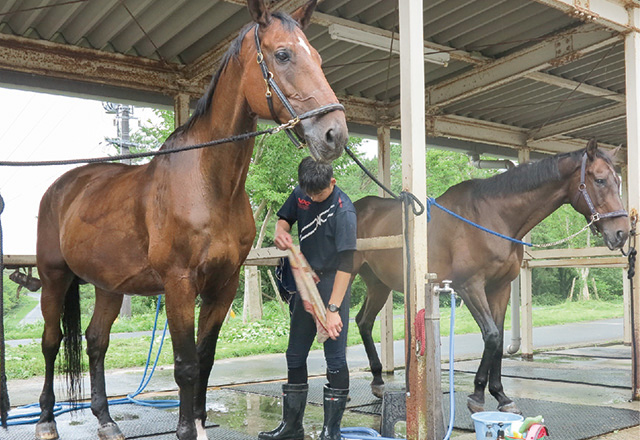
column 313, row 176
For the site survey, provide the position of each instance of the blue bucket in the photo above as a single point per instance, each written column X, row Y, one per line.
column 488, row 423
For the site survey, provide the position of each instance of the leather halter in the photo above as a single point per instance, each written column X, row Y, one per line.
column 295, row 118
column 595, row 215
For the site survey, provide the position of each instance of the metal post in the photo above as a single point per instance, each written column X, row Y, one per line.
column 386, row 317
column 632, row 72
column 424, row 397
column 626, row 285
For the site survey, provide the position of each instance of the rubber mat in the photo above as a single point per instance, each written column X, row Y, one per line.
column 565, row 421
column 135, row 421
column 359, row 391
column 614, row 377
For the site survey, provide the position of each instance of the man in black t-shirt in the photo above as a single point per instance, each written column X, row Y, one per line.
column 327, row 234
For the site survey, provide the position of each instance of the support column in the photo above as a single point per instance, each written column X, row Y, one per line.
column 181, row 108
column 424, row 393
column 526, row 301
column 386, row 316
column 632, row 72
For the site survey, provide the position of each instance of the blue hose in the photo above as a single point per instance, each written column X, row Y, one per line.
column 362, row 433
column 30, row 417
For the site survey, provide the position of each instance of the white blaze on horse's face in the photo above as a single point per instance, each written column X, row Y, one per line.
column 304, row 45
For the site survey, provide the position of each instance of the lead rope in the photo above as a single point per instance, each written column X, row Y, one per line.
column 631, row 255
column 4, row 392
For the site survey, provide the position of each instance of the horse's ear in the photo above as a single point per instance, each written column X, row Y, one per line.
column 614, row 155
column 259, row 12
column 303, row 14
column 592, row 149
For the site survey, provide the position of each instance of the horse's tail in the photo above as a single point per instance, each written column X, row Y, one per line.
column 72, row 331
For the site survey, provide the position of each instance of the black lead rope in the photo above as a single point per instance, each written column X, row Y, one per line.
column 408, row 199
column 631, row 272
column 4, row 392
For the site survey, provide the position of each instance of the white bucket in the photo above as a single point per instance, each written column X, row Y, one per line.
column 488, row 423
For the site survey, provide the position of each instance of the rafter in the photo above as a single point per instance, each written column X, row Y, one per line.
column 587, row 120
column 557, row 50
column 612, row 14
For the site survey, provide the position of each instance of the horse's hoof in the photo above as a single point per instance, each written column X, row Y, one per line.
column 46, row 431
column 473, row 405
column 510, row 408
column 377, row 390
column 110, row 431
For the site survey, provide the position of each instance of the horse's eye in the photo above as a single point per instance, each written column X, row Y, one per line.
column 282, row 56
column 600, row 181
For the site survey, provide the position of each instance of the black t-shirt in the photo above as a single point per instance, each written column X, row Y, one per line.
column 324, row 229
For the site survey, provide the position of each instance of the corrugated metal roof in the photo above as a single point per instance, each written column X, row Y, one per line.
column 476, row 32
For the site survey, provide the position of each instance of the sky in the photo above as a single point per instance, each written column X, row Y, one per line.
column 38, row 126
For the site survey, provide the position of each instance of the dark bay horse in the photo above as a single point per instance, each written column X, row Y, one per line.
column 180, row 225
column 482, row 265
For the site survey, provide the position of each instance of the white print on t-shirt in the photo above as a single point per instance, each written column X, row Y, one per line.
column 319, row 220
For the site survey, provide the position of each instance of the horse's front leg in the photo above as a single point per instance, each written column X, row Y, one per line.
column 213, row 311
column 180, row 297
column 476, row 301
column 106, row 311
column 498, row 302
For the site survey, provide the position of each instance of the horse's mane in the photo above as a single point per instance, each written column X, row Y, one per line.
column 528, row 176
column 204, row 103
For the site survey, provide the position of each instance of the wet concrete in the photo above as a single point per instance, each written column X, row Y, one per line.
column 252, row 413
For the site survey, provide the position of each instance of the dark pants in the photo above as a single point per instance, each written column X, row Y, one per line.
column 303, row 330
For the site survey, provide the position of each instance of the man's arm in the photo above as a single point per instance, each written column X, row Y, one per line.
column 283, row 240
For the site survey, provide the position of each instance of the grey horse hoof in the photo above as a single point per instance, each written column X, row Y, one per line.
column 377, row 390
column 46, row 431
column 510, row 407
column 110, row 431
column 474, row 406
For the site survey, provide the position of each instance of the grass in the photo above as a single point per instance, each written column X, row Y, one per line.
column 19, row 312
column 270, row 335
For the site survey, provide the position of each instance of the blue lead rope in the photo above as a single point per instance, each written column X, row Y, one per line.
column 432, row 201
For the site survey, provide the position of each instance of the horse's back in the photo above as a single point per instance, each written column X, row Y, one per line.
column 91, row 217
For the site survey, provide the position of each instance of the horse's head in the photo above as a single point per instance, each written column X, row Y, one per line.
column 597, row 196
column 296, row 69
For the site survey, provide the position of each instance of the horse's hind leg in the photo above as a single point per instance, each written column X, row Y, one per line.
column 55, row 283
column 106, row 310
column 377, row 294
column 213, row 311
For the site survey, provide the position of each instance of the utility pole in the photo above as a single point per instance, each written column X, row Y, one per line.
column 123, row 113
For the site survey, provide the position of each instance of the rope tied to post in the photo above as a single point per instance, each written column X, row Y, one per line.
column 4, row 392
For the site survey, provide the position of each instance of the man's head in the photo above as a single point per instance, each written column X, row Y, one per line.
column 316, row 179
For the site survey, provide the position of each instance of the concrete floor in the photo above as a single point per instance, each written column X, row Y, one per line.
column 604, row 380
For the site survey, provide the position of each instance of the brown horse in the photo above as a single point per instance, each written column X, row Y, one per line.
column 482, row 265
column 180, row 225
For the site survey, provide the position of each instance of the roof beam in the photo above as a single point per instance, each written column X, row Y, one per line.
column 75, row 63
column 612, row 14
column 586, row 120
column 557, row 50
column 327, row 20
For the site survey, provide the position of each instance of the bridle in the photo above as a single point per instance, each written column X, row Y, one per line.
column 582, row 188
column 273, row 86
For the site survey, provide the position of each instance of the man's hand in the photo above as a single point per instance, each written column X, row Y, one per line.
column 282, row 238
column 334, row 324
column 283, row 241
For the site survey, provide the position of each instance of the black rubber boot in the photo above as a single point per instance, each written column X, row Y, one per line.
column 294, row 400
column 335, row 401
